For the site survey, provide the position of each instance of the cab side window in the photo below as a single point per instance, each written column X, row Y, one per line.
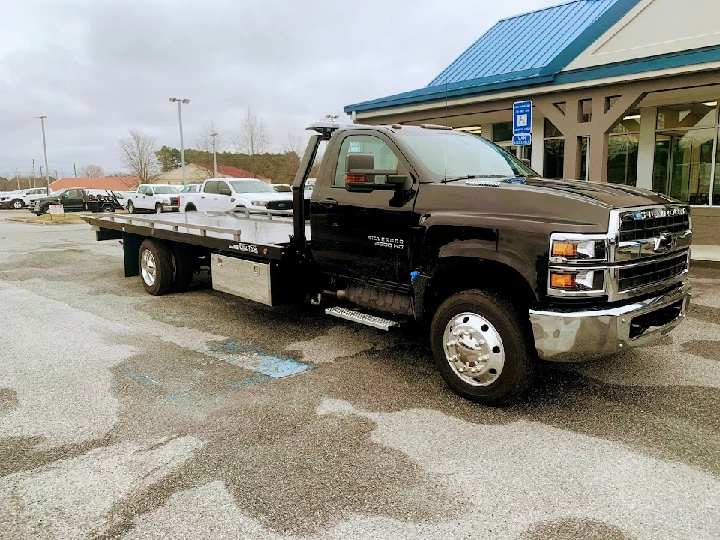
column 211, row 187
column 385, row 158
column 74, row 194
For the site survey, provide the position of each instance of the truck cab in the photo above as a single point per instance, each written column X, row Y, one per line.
column 226, row 194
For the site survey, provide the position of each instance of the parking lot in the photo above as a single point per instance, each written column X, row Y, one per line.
column 200, row 415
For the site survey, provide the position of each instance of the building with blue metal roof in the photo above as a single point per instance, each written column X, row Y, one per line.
column 624, row 91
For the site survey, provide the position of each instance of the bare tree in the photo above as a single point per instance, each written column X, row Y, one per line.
column 253, row 138
column 137, row 153
column 295, row 143
column 204, row 140
column 92, row 171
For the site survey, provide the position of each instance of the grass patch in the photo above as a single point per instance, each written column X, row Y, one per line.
column 49, row 219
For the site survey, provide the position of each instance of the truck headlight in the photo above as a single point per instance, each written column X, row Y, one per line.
column 259, row 203
column 166, row 200
column 577, row 248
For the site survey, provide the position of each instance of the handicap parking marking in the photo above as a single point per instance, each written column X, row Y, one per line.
column 254, row 359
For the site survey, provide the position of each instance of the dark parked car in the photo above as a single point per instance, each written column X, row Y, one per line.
column 78, row 200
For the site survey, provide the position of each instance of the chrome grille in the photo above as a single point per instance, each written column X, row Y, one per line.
column 651, row 272
column 642, row 225
column 174, row 201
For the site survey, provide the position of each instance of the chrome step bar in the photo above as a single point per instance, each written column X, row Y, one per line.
column 361, row 318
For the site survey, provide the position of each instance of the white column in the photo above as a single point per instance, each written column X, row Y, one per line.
column 646, row 152
column 538, row 147
column 486, row 131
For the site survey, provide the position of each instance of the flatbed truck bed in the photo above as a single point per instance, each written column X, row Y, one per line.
column 262, row 235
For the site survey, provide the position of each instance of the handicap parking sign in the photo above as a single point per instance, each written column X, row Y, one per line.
column 522, row 118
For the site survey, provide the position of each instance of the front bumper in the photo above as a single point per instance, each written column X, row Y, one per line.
column 578, row 336
column 170, row 208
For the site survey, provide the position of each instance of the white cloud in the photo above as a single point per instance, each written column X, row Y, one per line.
column 99, row 67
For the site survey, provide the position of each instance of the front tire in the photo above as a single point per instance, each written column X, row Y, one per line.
column 156, row 267
column 482, row 348
column 158, row 208
column 16, row 204
column 130, row 207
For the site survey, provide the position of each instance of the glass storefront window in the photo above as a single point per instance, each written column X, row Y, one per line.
column 554, row 160
column 622, row 165
column 551, row 131
column 692, row 115
column 629, row 124
column 716, row 187
column 502, row 132
column 691, row 163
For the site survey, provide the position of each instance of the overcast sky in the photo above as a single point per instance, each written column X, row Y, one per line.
column 99, row 67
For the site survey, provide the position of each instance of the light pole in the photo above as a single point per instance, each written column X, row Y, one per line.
column 47, row 172
column 214, row 136
column 180, row 101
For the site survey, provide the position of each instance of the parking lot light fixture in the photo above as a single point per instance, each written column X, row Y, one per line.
column 214, row 139
column 180, row 102
column 47, row 172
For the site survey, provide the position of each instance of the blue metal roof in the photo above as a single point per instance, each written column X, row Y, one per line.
column 526, row 43
column 530, row 48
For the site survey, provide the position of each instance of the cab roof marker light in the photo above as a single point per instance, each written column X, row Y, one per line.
column 436, row 126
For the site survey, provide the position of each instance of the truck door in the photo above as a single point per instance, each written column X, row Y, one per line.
column 362, row 235
column 72, row 200
column 224, row 198
column 207, row 198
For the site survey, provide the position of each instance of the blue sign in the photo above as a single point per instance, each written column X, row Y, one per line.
column 522, row 118
column 522, row 140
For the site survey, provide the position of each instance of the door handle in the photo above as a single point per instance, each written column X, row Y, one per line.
column 328, row 202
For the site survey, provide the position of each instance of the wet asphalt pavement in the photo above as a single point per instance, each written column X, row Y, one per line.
column 200, row 415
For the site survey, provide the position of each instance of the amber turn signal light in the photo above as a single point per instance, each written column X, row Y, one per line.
column 564, row 249
column 562, row 281
column 355, row 179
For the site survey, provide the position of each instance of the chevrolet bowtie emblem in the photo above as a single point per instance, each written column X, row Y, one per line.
column 665, row 242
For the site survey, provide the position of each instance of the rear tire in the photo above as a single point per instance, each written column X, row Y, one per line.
column 108, row 208
column 130, row 207
column 479, row 330
column 156, row 267
column 184, row 265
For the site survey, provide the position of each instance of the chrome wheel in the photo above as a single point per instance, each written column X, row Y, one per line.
column 474, row 349
column 147, row 267
column 158, row 209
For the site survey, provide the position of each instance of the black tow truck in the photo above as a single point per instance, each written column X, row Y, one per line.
column 422, row 223
column 78, row 200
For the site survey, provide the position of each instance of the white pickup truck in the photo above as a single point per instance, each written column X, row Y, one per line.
column 21, row 198
column 224, row 194
column 156, row 198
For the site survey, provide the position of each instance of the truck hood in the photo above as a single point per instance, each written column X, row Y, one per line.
column 570, row 206
column 605, row 194
column 46, row 199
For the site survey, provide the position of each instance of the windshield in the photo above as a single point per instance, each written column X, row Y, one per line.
column 191, row 189
column 251, row 186
column 450, row 155
column 164, row 190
